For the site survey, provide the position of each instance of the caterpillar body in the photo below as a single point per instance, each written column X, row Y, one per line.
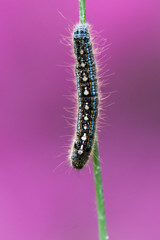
column 87, row 87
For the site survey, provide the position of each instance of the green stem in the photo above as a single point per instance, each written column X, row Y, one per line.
column 99, row 192
column 82, row 11
column 96, row 163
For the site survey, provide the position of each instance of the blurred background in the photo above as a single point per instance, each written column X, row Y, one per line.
column 41, row 197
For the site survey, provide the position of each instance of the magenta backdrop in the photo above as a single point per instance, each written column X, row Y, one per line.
column 38, row 203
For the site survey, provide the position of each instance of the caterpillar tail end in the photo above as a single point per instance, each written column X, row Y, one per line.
column 78, row 162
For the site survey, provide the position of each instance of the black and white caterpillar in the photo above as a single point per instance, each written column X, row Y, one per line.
column 87, row 96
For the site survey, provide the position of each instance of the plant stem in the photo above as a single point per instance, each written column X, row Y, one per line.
column 99, row 192
column 96, row 163
column 82, row 12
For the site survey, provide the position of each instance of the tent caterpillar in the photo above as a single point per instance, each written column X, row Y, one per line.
column 87, row 96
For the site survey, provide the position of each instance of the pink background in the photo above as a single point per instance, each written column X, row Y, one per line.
column 38, row 203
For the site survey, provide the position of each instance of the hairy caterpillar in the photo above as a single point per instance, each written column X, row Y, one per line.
column 87, row 96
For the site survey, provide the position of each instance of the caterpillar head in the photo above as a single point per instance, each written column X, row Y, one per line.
column 81, row 31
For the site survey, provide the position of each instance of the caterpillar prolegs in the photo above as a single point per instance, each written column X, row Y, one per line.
column 87, row 87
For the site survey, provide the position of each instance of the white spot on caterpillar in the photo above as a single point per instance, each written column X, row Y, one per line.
column 80, row 151
column 81, row 52
column 85, row 78
column 84, row 137
column 85, row 126
column 86, row 106
column 86, row 92
column 82, row 64
column 86, row 118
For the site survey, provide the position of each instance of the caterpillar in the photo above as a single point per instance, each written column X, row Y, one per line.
column 87, row 87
